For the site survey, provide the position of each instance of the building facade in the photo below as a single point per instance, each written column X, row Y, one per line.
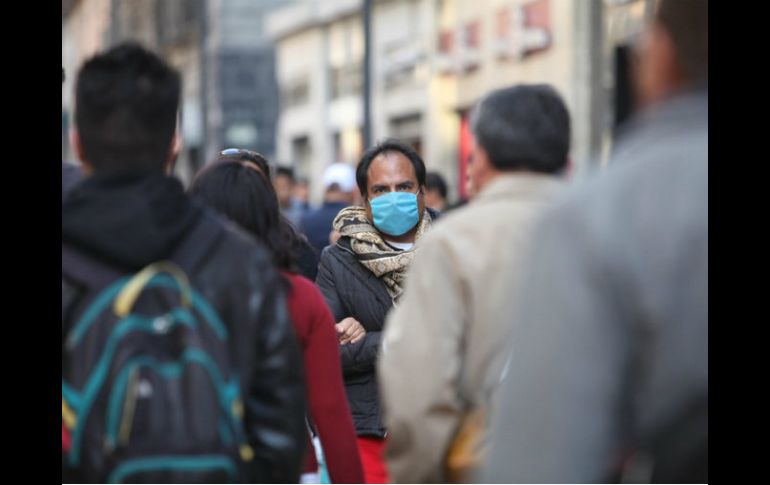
column 230, row 94
column 431, row 60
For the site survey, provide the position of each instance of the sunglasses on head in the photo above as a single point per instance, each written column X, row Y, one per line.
column 250, row 156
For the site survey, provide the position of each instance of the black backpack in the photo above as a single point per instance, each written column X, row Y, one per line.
column 150, row 392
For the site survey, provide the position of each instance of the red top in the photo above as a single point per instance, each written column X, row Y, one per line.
column 329, row 410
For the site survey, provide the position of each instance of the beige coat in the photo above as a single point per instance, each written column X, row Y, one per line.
column 440, row 356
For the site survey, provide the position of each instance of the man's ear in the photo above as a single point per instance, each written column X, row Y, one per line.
column 174, row 149
column 658, row 72
column 77, row 146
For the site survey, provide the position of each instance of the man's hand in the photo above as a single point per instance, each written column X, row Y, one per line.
column 349, row 331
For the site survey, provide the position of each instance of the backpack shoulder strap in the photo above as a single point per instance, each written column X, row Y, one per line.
column 198, row 243
column 85, row 269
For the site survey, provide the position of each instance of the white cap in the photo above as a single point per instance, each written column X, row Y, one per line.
column 341, row 174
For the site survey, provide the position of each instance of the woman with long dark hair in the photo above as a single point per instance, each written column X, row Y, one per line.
column 305, row 256
column 241, row 190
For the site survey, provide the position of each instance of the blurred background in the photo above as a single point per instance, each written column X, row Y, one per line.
column 286, row 77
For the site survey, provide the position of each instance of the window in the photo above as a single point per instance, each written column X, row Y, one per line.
column 473, row 34
column 347, row 80
column 446, row 42
column 537, row 28
column 503, row 21
column 301, row 155
column 176, row 20
column 296, row 93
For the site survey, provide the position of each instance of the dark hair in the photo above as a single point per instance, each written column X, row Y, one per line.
column 524, row 127
column 126, row 107
column 242, row 194
column 287, row 171
column 687, row 21
column 389, row 145
column 434, row 181
column 248, row 156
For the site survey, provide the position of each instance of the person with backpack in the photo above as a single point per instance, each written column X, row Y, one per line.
column 70, row 173
column 244, row 194
column 179, row 361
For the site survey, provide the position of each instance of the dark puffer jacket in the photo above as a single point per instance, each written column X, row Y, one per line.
column 351, row 290
column 131, row 221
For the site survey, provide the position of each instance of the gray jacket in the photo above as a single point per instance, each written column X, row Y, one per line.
column 610, row 336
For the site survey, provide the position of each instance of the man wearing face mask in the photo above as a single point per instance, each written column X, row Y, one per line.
column 362, row 277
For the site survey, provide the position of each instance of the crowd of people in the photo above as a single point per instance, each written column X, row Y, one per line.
column 550, row 330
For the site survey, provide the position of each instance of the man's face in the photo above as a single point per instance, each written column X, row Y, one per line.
column 301, row 192
column 391, row 172
column 656, row 72
column 283, row 188
column 434, row 200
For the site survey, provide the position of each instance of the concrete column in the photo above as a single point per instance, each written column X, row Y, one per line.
column 587, row 119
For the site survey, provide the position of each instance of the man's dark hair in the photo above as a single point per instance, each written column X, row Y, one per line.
column 126, row 108
column 434, row 181
column 389, row 145
column 524, row 127
column 287, row 171
column 247, row 197
column 687, row 21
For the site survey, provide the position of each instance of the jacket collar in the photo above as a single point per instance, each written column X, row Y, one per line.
column 519, row 185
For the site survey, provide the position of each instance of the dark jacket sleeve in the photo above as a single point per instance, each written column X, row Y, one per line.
column 307, row 260
column 328, row 286
column 360, row 356
column 274, row 387
column 357, row 357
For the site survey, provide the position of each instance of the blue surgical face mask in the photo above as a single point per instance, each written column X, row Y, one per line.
column 395, row 213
